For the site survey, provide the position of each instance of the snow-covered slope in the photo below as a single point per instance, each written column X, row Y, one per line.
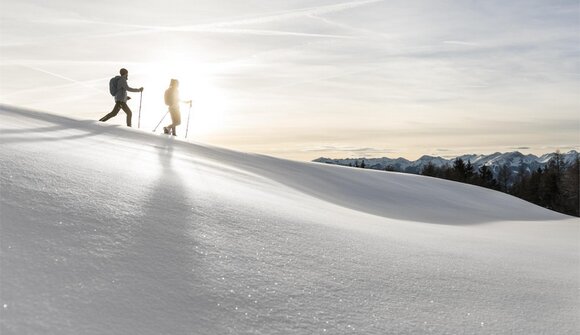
column 108, row 230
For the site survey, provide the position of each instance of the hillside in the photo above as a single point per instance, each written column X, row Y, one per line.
column 112, row 230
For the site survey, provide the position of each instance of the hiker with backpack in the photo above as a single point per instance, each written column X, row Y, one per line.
column 172, row 100
column 118, row 88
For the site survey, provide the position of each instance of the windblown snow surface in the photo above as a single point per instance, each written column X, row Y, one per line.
column 110, row 230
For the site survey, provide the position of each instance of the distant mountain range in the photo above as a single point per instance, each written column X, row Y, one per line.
column 515, row 160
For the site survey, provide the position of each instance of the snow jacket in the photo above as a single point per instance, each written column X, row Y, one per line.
column 122, row 88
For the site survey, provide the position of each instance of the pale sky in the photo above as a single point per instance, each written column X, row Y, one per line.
column 303, row 79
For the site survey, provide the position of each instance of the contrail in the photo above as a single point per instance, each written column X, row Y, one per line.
column 346, row 26
column 81, row 83
column 461, row 43
column 217, row 27
column 53, row 87
column 286, row 15
column 274, row 17
column 270, row 33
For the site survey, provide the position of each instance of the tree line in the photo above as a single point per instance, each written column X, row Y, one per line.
column 555, row 186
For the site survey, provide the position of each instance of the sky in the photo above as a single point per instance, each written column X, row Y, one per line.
column 305, row 79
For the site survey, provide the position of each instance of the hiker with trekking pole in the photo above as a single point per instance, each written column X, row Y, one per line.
column 118, row 88
column 172, row 101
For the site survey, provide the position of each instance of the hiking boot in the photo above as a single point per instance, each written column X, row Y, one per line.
column 165, row 130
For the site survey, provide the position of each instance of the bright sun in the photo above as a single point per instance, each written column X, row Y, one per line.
column 195, row 83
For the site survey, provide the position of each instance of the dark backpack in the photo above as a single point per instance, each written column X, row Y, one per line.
column 113, row 85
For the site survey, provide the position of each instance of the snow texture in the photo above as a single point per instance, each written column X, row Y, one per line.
column 110, row 230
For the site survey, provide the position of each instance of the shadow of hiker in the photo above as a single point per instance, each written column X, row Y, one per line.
column 158, row 288
column 60, row 123
column 31, row 130
column 78, row 128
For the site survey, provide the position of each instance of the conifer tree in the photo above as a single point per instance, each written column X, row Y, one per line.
column 469, row 171
column 504, row 177
column 429, row 170
column 571, row 188
column 458, row 170
column 486, row 177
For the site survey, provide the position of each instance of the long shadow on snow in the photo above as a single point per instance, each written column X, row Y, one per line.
column 89, row 128
column 159, row 292
column 61, row 123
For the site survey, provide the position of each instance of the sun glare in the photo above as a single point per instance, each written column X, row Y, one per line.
column 195, row 83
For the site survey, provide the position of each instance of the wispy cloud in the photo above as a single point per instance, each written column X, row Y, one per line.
column 365, row 32
column 144, row 30
column 60, row 76
column 263, row 32
column 84, row 83
column 471, row 44
column 348, row 149
column 222, row 26
column 285, row 15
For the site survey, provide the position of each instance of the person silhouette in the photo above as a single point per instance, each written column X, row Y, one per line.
column 119, row 88
column 172, row 100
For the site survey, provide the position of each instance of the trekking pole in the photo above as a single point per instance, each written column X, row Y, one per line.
column 188, row 115
column 163, row 118
column 139, row 120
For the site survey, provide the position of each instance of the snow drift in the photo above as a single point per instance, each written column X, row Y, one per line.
column 109, row 230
